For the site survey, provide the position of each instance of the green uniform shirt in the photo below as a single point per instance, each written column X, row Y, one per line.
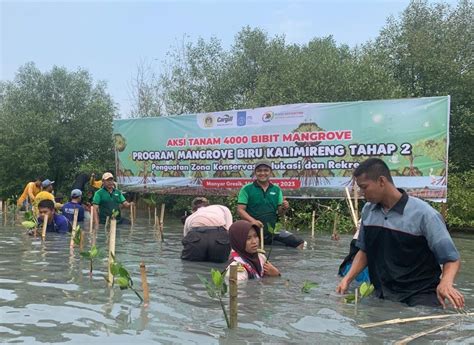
column 108, row 202
column 261, row 205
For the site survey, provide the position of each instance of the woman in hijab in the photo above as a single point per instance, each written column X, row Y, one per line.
column 244, row 242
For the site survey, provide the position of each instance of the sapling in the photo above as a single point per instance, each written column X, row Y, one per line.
column 30, row 222
column 122, row 277
column 273, row 231
column 216, row 288
column 307, row 286
column 365, row 290
column 93, row 253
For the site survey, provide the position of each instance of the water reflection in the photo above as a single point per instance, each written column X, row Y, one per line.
column 46, row 295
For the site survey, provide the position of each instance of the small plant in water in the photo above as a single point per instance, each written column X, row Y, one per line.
column 216, row 288
column 93, row 253
column 30, row 222
column 114, row 214
column 365, row 290
column 273, row 231
column 77, row 235
column 307, row 286
column 122, row 277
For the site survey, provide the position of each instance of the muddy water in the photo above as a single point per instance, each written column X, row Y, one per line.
column 47, row 296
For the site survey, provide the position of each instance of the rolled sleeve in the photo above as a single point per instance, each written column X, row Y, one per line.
column 96, row 198
column 438, row 238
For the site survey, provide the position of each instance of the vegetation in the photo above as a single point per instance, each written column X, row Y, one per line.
column 122, row 277
column 216, row 288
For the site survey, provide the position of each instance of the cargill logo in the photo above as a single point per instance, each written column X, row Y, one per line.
column 225, row 119
column 268, row 116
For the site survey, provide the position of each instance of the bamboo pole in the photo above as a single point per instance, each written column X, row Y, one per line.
column 349, row 199
column 5, row 212
column 156, row 224
column 334, row 227
column 45, row 225
column 149, row 214
column 146, row 293
column 113, row 228
column 162, row 220
column 410, row 319
column 262, row 239
column 131, row 215
column 406, row 340
column 91, row 224
column 74, row 225
column 313, row 218
column 106, row 222
column 81, row 242
column 356, row 202
column 356, row 294
column 233, row 295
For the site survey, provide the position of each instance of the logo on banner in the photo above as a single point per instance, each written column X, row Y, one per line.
column 241, row 118
column 208, row 121
column 268, row 116
column 225, row 119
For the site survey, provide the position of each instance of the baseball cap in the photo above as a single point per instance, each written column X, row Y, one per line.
column 107, row 176
column 46, row 183
column 263, row 162
column 76, row 193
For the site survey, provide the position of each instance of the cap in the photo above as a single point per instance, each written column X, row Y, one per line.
column 107, row 176
column 76, row 193
column 46, row 183
column 263, row 162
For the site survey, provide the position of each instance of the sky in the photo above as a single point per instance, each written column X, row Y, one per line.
column 110, row 38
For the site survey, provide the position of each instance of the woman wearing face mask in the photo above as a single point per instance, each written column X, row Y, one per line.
column 244, row 242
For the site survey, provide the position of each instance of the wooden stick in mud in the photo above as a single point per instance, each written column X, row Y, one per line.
column 262, row 239
column 313, row 218
column 406, row 340
column 74, row 225
column 91, row 224
column 45, row 225
column 156, row 224
column 410, row 319
column 106, row 222
column 146, row 293
column 131, row 215
column 81, row 242
column 5, row 211
column 356, row 202
column 162, row 218
column 349, row 199
column 233, row 295
column 149, row 214
column 334, row 227
column 113, row 228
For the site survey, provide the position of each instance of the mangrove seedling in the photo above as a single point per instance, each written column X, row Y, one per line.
column 216, row 288
column 365, row 290
column 30, row 222
column 307, row 286
column 77, row 235
column 122, row 277
column 115, row 213
column 273, row 231
column 93, row 253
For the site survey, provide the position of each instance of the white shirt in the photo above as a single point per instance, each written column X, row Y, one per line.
column 214, row 215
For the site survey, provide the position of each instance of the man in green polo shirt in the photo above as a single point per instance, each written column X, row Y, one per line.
column 107, row 199
column 261, row 202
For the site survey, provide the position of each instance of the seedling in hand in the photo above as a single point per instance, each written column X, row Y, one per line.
column 273, row 231
column 216, row 288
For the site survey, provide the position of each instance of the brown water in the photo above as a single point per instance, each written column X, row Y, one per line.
column 46, row 296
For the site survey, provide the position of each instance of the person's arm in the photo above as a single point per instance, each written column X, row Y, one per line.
column 358, row 265
column 270, row 270
column 30, row 192
column 241, row 211
column 95, row 214
column 445, row 289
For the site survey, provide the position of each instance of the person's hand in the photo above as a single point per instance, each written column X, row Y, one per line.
column 343, row 286
column 258, row 223
column 270, row 270
column 445, row 290
column 285, row 204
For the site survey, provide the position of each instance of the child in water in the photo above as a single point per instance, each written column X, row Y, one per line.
column 245, row 242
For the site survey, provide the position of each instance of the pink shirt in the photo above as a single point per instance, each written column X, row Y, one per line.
column 214, row 215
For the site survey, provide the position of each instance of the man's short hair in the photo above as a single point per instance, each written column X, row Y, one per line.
column 199, row 202
column 373, row 168
column 46, row 204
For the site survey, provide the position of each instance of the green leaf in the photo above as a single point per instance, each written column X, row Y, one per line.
column 122, row 282
column 216, row 278
column 307, row 286
column 77, row 236
column 366, row 289
column 122, row 272
column 93, row 252
column 350, row 298
column 28, row 224
column 86, row 255
column 114, row 268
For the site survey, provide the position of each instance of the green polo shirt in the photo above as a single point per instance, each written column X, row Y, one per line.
column 261, row 205
column 108, row 202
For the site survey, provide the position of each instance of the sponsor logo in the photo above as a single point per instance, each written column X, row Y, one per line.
column 268, row 116
column 241, row 118
column 208, row 121
column 225, row 118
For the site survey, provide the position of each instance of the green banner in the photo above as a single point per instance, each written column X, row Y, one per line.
column 313, row 147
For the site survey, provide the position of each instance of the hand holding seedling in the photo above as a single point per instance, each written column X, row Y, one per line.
column 270, row 270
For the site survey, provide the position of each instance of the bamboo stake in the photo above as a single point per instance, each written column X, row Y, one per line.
column 410, row 319
column 406, row 340
column 146, row 293
column 106, row 222
column 349, row 199
column 356, row 202
column 262, row 239
column 81, row 242
column 131, row 214
column 313, row 218
column 334, row 227
column 356, row 294
column 233, row 295
column 74, row 225
column 155, row 218
column 113, row 227
column 162, row 218
column 149, row 215
column 5, row 212
column 45, row 225
column 91, row 224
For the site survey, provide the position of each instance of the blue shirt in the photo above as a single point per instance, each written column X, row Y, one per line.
column 68, row 211
column 59, row 224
